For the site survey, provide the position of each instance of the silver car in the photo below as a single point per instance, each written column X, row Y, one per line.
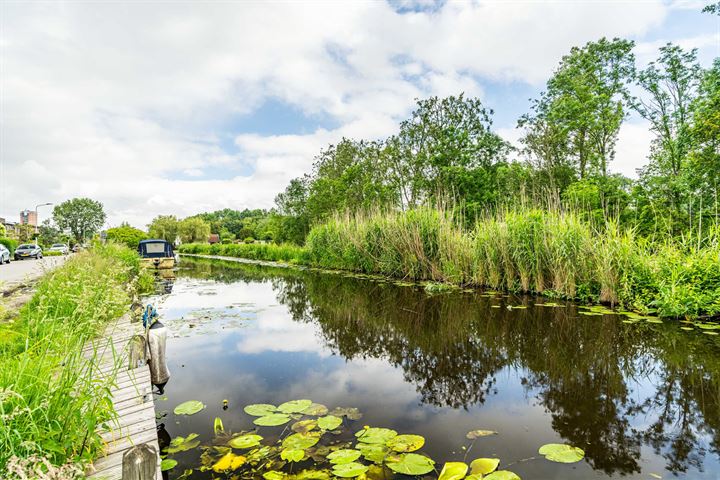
column 60, row 247
column 4, row 254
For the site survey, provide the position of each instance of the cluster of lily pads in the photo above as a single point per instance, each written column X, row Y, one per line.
column 313, row 433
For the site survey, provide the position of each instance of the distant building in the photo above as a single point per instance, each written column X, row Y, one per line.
column 214, row 238
column 11, row 228
column 28, row 217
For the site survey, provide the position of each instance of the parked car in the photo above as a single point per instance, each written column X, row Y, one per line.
column 59, row 247
column 4, row 254
column 28, row 250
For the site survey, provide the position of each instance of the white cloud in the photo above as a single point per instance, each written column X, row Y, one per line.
column 126, row 102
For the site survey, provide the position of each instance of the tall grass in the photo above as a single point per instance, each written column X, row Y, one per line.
column 549, row 252
column 50, row 402
column 254, row 251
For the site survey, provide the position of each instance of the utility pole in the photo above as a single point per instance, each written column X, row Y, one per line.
column 37, row 220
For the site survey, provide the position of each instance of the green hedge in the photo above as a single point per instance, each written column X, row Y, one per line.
column 10, row 244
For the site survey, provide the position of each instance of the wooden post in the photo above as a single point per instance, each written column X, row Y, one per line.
column 140, row 463
column 137, row 356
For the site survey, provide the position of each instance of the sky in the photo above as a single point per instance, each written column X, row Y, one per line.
column 180, row 107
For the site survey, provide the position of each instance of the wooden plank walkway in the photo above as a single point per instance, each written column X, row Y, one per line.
column 132, row 399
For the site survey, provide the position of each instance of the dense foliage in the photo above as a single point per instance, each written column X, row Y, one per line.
column 82, row 217
column 126, row 235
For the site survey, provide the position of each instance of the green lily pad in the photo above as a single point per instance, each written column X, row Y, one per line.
column 411, row 464
column 373, row 452
column 273, row 475
column 687, row 329
column 304, row 426
column 502, row 475
column 294, row 406
column 190, row 407
column 375, row 435
column 346, row 455
column 313, row 475
column 472, row 435
column 272, row 420
column 708, row 332
column 558, row 452
column 483, row 466
column 406, row 443
column 292, row 455
column 260, row 409
column 249, row 440
column 349, row 470
column 351, row 413
column 453, row 471
column 329, row 422
column 316, row 409
column 301, row 441
column 654, row 320
column 183, row 444
column 167, row 464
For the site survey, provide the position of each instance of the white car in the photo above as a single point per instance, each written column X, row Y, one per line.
column 60, row 247
column 4, row 254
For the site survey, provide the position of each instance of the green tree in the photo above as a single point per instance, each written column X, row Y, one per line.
column 83, row 217
column 3, row 232
column 193, row 229
column 292, row 206
column 126, row 235
column 164, row 227
column 49, row 234
column 713, row 8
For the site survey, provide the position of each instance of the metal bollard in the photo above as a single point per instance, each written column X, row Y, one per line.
column 137, row 356
column 140, row 463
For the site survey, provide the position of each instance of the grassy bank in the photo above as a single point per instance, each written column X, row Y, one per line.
column 49, row 403
column 550, row 253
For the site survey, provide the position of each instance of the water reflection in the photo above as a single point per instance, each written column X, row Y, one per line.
column 621, row 392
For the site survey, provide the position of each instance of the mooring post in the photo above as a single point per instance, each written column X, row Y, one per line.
column 140, row 463
column 137, row 356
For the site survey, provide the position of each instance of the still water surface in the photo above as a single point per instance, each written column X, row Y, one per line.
column 640, row 399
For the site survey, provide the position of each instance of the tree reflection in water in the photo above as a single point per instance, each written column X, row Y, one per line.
column 580, row 368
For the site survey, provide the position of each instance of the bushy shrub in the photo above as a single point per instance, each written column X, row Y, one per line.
column 10, row 244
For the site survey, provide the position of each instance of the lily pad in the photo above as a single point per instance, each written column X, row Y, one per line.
column 453, row 471
column 708, row 332
column 272, row 420
column 502, row 475
column 301, row 441
column 260, row 409
column 229, row 461
column 273, row 475
column 316, row 409
column 346, row 455
column 304, row 426
column 561, row 453
column 292, row 455
column 351, row 413
column 249, row 440
column 687, row 329
column 483, row 466
column 411, row 464
column 329, row 422
column 183, row 444
column 406, row 443
column 472, row 435
column 190, row 407
column 313, row 475
column 375, row 435
column 349, row 470
column 373, row 452
column 167, row 464
column 294, row 406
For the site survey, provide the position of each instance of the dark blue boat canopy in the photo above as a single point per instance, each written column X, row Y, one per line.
column 155, row 249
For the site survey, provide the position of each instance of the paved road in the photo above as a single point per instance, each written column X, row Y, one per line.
column 23, row 271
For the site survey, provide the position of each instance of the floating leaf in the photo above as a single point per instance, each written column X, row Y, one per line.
column 292, row 455
column 229, row 461
column 349, row 470
column 472, row 435
column 190, row 407
column 375, row 435
column 294, row 406
column 218, row 426
column 502, row 475
column 707, row 332
column 483, row 466
column 558, row 452
column 312, row 475
column 273, row 475
column 373, row 452
column 304, row 426
column 411, row 464
column 453, row 471
column 301, row 441
column 183, row 444
column 245, row 441
column 654, row 320
column 329, row 422
column 258, row 454
column 316, row 409
column 260, row 409
column 406, row 443
column 686, row 329
column 272, row 420
column 351, row 413
column 167, row 464
column 346, row 455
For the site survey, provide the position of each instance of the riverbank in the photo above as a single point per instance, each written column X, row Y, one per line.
column 50, row 402
column 548, row 253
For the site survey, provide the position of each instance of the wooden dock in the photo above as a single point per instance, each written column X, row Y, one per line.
column 132, row 399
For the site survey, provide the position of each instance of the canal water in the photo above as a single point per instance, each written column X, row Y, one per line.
column 642, row 400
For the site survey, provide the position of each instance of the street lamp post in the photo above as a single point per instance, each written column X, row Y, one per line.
column 36, row 216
